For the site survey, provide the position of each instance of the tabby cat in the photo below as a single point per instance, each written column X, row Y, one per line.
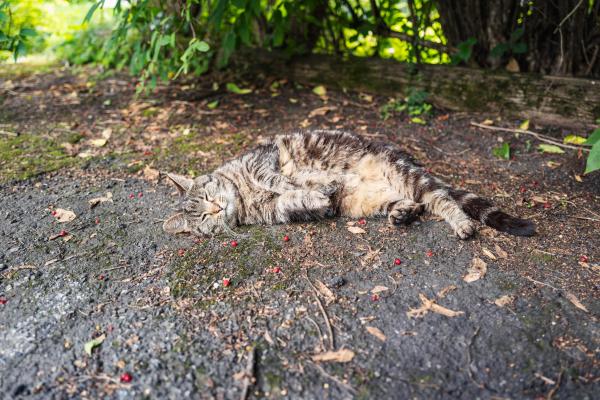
column 310, row 175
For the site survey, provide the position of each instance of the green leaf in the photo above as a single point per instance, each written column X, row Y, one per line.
column 594, row 137
column 417, row 120
column 519, row 48
column 27, row 32
column 93, row 9
column 524, row 125
column 320, row 90
column 233, row 88
column 92, row 344
column 502, row 151
column 499, row 50
column 550, row 148
column 574, row 139
column 593, row 160
column 213, row 104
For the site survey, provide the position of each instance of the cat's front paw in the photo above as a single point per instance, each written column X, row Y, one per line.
column 404, row 211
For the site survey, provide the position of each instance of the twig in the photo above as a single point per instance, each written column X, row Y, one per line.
column 568, row 16
column 555, row 388
column 318, row 330
column 469, row 360
column 333, row 378
column 541, row 283
column 325, row 316
column 538, row 136
column 249, row 375
column 113, row 268
column 586, row 218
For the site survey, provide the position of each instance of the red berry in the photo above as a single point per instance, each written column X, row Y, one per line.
column 362, row 221
column 147, row 153
column 286, row 238
column 126, row 377
column 234, row 243
column 101, row 277
column 429, row 253
column 375, row 297
column 97, row 220
column 522, row 189
column 397, row 261
column 63, row 233
column 3, row 300
column 277, row 270
column 140, row 194
column 131, row 195
column 584, row 259
column 226, row 282
column 547, row 205
column 181, row 252
column 53, row 212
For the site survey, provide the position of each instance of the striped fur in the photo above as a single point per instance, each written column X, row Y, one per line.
column 310, row 175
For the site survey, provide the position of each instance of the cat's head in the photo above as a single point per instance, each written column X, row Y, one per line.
column 209, row 205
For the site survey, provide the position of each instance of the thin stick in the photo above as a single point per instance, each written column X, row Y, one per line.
column 555, row 388
column 541, row 283
column 113, row 268
column 325, row 316
column 586, row 218
column 318, row 330
column 333, row 378
column 469, row 359
column 538, row 136
column 249, row 378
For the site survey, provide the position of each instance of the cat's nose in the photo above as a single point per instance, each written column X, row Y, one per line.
column 214, row 208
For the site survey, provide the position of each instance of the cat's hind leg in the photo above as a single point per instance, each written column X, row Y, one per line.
column 302, row 205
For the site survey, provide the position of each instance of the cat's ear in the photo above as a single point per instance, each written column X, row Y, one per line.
column 182, row 183
column 176, row 224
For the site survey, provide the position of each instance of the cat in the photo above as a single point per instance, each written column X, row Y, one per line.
column 306, row 176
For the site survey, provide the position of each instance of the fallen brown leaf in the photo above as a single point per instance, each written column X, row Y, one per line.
column 376, row 332
column 501, row 253
column 573, row 299
column 476, row 271
column 356, row 230
column 321, row 111
column 504, row 300
column 342, row 356
column 325, row 291
column 379, row 289
column 94, row 202
column 150, row 174
column 63, row 215
column 488, row 254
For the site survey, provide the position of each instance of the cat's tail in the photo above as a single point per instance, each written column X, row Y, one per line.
column 487, row 213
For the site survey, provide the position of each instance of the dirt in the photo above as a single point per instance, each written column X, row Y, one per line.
column 527, row 329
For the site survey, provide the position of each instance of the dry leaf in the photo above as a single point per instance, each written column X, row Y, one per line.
column 513, row 66
column 321, row 111
column 151, row 174
column 430, row 305
column 94, row 202
column 501, row 253
column 571, row 297
column 356, row 230
column 62, row 215
column 379, row 289
column 476, row 271
column 442, row 293
column 364, row 320
column 325, row 291
column 504, row 300
column 376, row 332
column 343, row 356
column 488, row 254
column 98, row 142
column 487, row 122
column 578, row 178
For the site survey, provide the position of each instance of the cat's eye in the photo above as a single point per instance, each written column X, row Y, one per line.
column 203, row 217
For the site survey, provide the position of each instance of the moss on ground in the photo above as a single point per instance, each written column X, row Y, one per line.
column 25, row 156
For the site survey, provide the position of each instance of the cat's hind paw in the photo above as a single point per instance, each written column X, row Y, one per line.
column 404, row 211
